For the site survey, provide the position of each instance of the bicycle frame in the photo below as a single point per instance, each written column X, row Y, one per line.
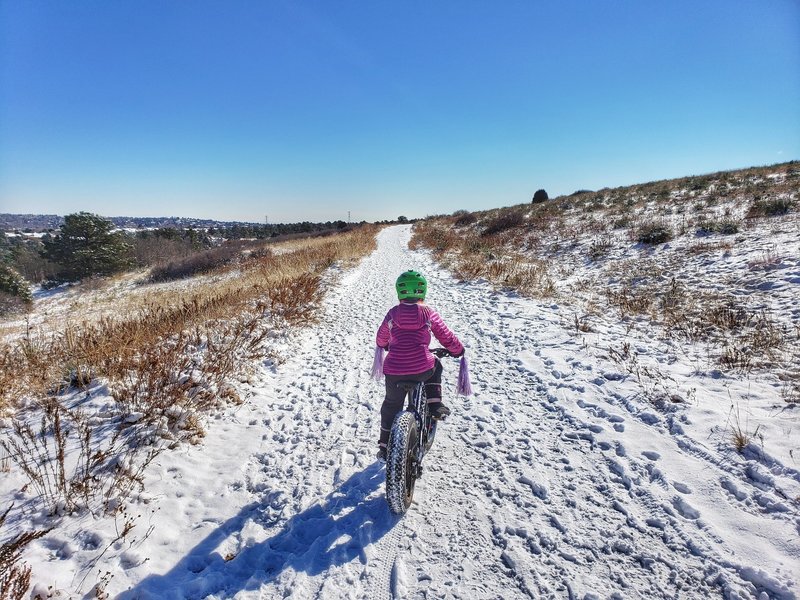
column 426, row 425
column 409, row 441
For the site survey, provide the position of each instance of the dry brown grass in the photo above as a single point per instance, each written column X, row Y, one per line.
column 709, row 247
column 208, row 316
column 744, row 337
column 474, row 255
column 166, row 359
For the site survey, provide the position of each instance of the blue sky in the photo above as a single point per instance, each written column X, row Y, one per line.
column 303, row 110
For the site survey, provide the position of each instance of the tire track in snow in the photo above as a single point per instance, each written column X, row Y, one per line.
column 334, row 412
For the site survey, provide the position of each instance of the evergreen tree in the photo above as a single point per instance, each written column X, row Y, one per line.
column 14, row 284
column 87, row 246
column 5, row 247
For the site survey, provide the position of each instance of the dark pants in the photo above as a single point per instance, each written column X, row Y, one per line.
column 395, row 396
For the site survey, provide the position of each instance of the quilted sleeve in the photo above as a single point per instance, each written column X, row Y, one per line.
column 446, row 337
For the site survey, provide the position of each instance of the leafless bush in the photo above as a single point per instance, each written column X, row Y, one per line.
column 741, row 434
column 531, row 277
column 768, row 260
column 505, row 220
column 630, row 301
column 790, row 391
column 621, row 222
column 464, row 219
column 582, row 324
column 437, row 236
column 12, row 304
column 723, row 227
column 157, row 250
column 657, row 387
column 470, row 266
column 295, row 299
column 726, row 315
column 708, row 247
column 14, row 577
column 101, row 472
column 770, row 207
column 653, row 232
column 195, row 264
column 599, row 248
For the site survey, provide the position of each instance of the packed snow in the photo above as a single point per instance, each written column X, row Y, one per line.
column 557, row 479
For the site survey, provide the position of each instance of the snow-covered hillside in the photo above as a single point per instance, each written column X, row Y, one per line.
column 556, row 479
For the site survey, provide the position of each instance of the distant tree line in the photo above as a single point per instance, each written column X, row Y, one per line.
column 88, row 245
column 260, row 232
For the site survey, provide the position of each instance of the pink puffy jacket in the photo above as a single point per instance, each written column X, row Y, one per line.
column 406, row 331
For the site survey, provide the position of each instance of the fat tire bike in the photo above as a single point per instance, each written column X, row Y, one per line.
column 410, row 438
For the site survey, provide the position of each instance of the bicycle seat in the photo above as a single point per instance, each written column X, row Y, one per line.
column 407, row 385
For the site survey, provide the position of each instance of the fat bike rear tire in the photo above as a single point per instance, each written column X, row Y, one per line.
column 401, row 455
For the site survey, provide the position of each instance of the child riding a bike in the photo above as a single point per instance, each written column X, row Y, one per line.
column 406, row 333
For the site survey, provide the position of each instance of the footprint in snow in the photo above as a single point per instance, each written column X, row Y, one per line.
column 681, row 487
column 731, row 488
column 686, row 510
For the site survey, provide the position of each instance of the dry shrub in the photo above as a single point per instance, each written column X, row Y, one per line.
column 295, row 299
column 770, row 207
column 767, row 261
column 158, row 250
column 438, row 237
column 708, row 247
column 736, row 357
column 726, row 315
column 599, row 248
column 464, row 219
column 470, row 266
column 723, row 227
column 791, row 388
column 505, row 220
column 196, row 264
column 102, row 470
column 630, row 301
column 12, row 305
column 15, row 578
column 528, row 276
column 653, row 232
column 622, row 222
column 764, row 335
column 657, row 387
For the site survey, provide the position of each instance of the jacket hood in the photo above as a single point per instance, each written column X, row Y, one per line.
column 409, row 316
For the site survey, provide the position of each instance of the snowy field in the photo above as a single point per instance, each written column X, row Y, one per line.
column 557, row 479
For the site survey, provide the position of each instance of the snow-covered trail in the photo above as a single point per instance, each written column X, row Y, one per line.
column 543, row 484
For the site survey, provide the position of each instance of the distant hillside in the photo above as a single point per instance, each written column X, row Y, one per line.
column 11, row 222
column 227, row 229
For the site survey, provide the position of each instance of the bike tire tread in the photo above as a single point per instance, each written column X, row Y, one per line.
column 402, row 438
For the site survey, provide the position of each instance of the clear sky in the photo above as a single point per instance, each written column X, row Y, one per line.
column 305, row 109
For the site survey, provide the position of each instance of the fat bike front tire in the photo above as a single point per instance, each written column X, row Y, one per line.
column 401, row 455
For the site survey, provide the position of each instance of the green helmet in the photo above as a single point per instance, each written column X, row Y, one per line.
column 411, row 284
